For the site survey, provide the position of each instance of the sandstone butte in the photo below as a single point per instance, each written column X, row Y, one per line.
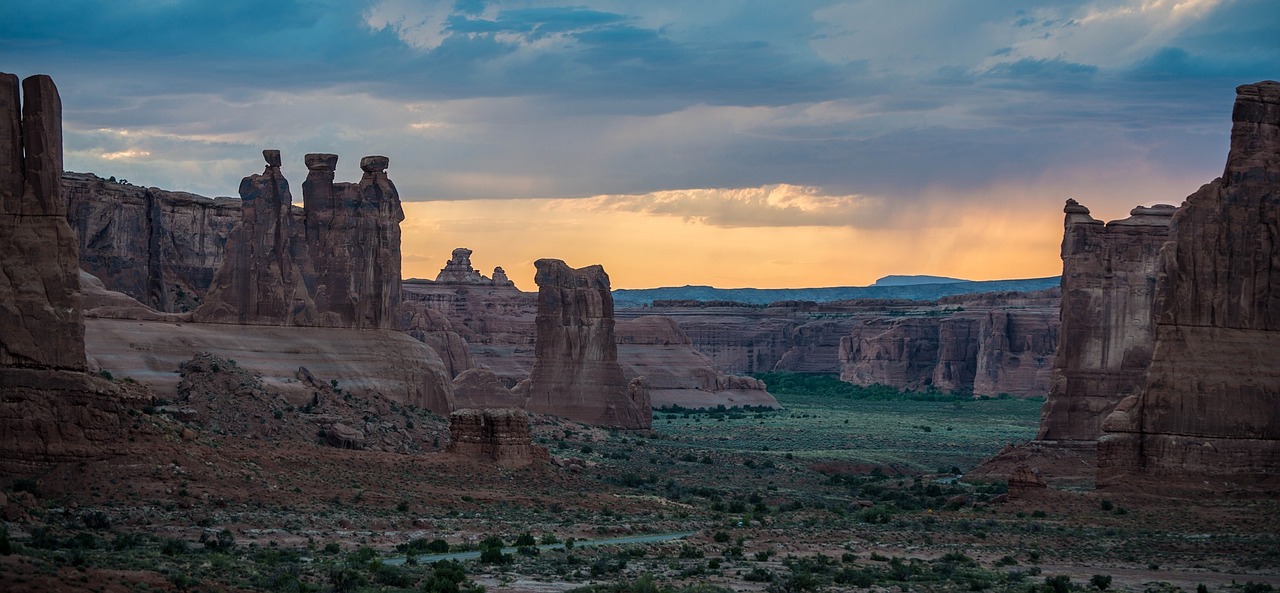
column 576, row 372
column 1168, row 369
column 499, row 436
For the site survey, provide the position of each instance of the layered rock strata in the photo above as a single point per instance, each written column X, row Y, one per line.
column 1108, row 301
column 1000, row 349
column 499, row 436
column 1210, row 410
column 458, row 270
column 335, row 263
column 576, row 372
column 676, row 374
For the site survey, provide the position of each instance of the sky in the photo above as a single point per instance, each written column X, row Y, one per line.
column 762, row 143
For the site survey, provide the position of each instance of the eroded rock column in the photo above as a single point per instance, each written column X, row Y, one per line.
column 576, row 374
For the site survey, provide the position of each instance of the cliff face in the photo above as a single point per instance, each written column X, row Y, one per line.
column 576, row 372
column 1211, row 406
column 991, row 347
column 159, row 247
column 1108, row 298
column 655, row 348
column 334, row 264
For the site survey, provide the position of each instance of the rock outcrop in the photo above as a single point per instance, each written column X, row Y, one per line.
column 160, row 247
column 500, row 436
column 382, row 361
column 40, row 320
column 335, row 263
column 1107, row 332
column 1210, row 410
column 50, row 409
column 576, row 372
column 481, row 388
column 458, row 269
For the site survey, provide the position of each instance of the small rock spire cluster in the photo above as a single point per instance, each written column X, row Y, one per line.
column 334, row 263
column 458, row 270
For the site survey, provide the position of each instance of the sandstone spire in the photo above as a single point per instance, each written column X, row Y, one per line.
column 576, row 373
column 40, row 319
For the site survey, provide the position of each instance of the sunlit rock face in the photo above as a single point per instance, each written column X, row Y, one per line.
column 1108, row 302
column 1210, row 412
column 576, row 372
column 335, row 263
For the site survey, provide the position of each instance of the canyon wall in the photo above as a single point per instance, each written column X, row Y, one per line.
column 986, row 343
column 1210, row 410
column 159, row 247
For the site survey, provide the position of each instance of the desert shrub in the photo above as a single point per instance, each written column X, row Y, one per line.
column 1100, row 581
column 6, row 547
column 345, row 579
column 222, row 541
column 1058, row 584
column 392, row 576
column 721, row 537
column 174, row 547
column 526, row 539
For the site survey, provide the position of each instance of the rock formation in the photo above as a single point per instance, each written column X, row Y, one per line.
column 334, row 264
column 481, row 388
column 576, row 372
column 50, row 409
column 1108, row 299
column 159, row 247
column 990, row 348
column 434, row 329
column 1210, row 410
column 40, row 320
column 261, row 278
column 458, row 270
column 499, row 435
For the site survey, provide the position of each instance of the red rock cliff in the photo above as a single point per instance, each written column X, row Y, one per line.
column 1210, row 411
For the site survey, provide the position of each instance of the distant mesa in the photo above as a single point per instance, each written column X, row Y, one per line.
column 916, row 280
column 458, row 270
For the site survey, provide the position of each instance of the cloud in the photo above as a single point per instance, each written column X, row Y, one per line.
column 779, row 205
